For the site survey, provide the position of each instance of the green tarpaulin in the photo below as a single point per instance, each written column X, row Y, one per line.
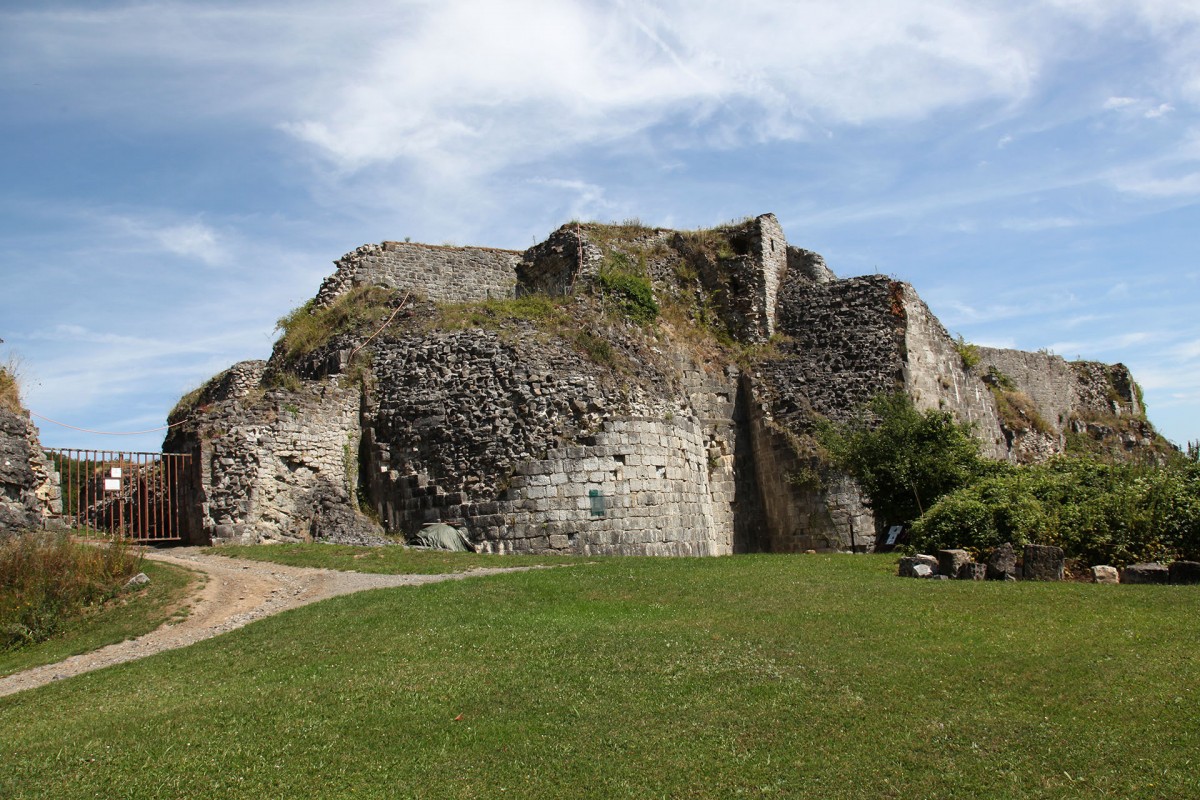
column 443, row 537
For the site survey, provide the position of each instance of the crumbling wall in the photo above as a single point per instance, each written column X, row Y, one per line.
column 533, row 448
column 936, row 377
column 442, row 274
column 29, row 490
column 619, row 439
column 270, row 459
column 844, row 345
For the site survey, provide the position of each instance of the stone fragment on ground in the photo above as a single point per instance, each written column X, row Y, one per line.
column 1043, row 563
column 1105, row 574
column 141, row 579
column 1184, row 572
column 1002, row 563
column 908, row 565
column 972, row 571
column 950, row 562
column 1145, row 573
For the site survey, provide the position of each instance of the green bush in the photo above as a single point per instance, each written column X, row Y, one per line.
column 629, row 287
column 45, row 580
column 904, row 459
column 1100, row 513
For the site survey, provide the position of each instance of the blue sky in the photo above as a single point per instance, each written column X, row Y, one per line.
column 176, row 176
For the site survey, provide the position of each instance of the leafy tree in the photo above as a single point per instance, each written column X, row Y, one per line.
column 903, row 458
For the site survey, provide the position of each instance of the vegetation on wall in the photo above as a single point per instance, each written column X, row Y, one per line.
column 904, row 459
column 10, row 395
column 969, row 353
column 625, row 284
column 310, row 326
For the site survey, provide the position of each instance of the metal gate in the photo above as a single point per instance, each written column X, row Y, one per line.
column 137, row 495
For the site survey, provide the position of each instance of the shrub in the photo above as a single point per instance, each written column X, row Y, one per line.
column 46, row 580
column 1101, row 513
column 629, row 287
column 903, row 458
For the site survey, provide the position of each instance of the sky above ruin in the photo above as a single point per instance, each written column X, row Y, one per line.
column 178, row 175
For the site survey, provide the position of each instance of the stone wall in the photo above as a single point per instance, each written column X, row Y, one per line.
column 268, row 458
column 844, row 345
column 936, row 377
column 532, row 448
column 608, row 437
column 29, row 491
column 440, row 274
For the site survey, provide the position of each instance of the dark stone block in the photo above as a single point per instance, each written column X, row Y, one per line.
column 1145, row 573
column 1002, row 563
column 1184, row 572
column 1042, row 563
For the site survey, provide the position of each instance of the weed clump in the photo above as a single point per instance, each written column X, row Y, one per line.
column 46, row 580
column 310, row 326
column 10, row 396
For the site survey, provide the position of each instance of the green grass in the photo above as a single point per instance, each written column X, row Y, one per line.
column 385, row 560
column 756, row 676
column 127, row 617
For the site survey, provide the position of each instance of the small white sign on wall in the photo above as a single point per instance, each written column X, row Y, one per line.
column 115, row 472
column 112, row 484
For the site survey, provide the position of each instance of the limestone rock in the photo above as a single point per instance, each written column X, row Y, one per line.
column 1105, row 574
column 951, row 562
column 137, row 581
column 908, row 565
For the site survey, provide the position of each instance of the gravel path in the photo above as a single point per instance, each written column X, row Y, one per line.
column 236, row 593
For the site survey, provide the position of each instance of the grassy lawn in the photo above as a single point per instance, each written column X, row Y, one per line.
column 753, row 676
column 126, row 617
column 387, row 560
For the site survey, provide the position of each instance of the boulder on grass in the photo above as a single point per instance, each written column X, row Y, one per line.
column 1042, row 563
column 950, row 562
column 1105, row 574
column 972, row 571
column 1185, row 572
column 1145, row 573
column 1002, row 563
column 909, row 563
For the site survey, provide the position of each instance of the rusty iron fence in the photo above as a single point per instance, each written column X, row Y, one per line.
column 136, row 495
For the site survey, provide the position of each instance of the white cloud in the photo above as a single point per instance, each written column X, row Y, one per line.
column 1118, row 102
column 1161, row 110
column 1040, row 224
column 1182, row 185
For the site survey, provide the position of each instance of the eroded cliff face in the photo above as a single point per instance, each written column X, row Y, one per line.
column 615, row 389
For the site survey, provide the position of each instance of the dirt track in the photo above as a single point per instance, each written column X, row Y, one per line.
column 237, row 592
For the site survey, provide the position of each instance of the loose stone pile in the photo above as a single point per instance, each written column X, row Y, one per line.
column 1040, row 563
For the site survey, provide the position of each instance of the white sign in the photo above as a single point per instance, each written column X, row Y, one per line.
column 112, row 484
column 115, row 472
